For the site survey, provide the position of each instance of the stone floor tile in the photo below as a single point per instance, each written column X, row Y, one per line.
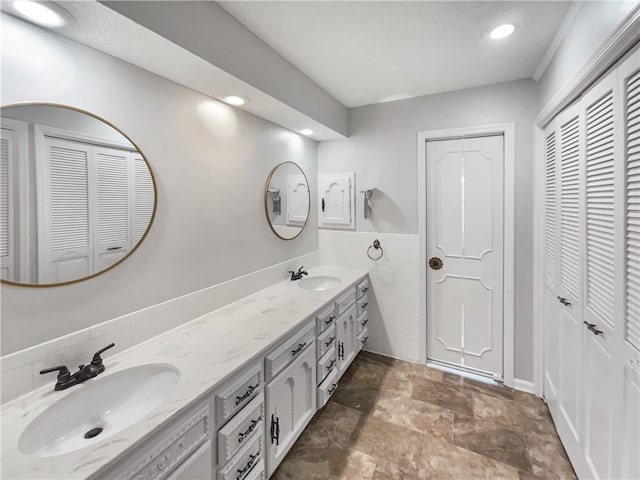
column 325, row 464
column 444, row 395
column 388, row 441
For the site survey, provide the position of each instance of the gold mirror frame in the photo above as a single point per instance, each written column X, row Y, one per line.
column 266, row 199
column 153, row 179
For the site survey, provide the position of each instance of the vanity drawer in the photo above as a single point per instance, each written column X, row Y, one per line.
column 240, row 429
column 363, row 336
column 235, row 395
column 345, row 300
column 325, row 318
column 246, row 460
column 170, row 450
column 361, row 322
column 327, row 387
column 361, row 305
column 289, row 349
column 326, row 340
column 326, row 364
column 362, row 288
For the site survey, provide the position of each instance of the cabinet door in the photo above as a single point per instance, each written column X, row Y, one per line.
column 346, row 338
column 291, row 402
column 336, row 199
column 198, row 466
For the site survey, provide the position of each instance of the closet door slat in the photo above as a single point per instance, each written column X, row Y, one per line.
column 550, row 211
column 570, row 206
column 600, row 203
column 632, row 184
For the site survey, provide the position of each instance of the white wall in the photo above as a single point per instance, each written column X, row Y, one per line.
column 593, row 22
column 382, row 152
column 210, row 162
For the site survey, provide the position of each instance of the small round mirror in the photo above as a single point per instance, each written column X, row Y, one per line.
column 287, row 200
column 77, row 196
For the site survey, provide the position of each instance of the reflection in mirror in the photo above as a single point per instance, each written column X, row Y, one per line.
column 76, row 195
column 286, row 200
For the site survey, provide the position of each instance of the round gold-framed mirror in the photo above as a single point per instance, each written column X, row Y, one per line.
column 77, row 195
column 287, row 200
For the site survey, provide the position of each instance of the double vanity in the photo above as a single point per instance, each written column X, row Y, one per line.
column 224, row 396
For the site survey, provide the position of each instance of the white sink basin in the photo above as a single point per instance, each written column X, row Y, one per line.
column 110, row 403
column 319, row 283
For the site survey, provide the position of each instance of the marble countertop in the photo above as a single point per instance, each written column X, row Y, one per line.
column 224, row 340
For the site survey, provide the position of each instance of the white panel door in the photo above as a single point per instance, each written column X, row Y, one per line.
column 465, row 194
column 297, row 199
column 7, row 206
column 65, row 250
column 335, row 202
column 112, row 219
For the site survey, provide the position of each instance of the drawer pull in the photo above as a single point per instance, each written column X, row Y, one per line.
column 247, row 394
column 332, row 389
column 249, row 430
column 363, row 305
column 364, row 289
column 592, row 328
column 330, row 319
column 364, row 322
column 564, row 301
column 329, row 342
column 243, row 472
column 275, row 430
column 298, row 349
column 330, row 365
column 364, row 340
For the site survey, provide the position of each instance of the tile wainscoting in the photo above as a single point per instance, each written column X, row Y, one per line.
column 393, row 299
column 20, row 370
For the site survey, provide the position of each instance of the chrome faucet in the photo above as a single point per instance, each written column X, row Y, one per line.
column 85, row 372
column 297, row 275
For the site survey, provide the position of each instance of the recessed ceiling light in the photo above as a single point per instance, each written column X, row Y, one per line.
column 235, row 100
column 42, row 13
column 306, row 131
column 502, row 31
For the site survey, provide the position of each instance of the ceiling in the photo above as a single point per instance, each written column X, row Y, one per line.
column 364, row 52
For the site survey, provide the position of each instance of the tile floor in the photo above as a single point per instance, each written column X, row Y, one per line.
column 393, row 420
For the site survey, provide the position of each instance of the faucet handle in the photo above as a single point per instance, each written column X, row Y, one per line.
column 63, row 372
column 96, row 361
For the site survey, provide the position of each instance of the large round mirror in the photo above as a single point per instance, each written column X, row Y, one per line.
column 77, row 196
column 286, row 200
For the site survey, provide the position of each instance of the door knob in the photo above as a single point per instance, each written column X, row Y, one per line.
column 435, row 263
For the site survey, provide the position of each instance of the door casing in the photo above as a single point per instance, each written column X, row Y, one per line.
column 508, row 131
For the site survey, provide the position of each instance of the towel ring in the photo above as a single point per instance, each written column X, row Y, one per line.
column 375, row 246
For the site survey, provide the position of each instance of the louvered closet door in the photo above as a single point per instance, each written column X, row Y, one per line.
column 570, row 132
column 602, row 247
column 143, row 197
column 64, row 205
column 112, row 218
column 7, row 207
column 628, row 350
column 551, row 305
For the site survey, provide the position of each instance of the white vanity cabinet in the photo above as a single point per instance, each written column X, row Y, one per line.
column 290, row 404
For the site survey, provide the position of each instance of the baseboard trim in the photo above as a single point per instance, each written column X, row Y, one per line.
column 524, row 385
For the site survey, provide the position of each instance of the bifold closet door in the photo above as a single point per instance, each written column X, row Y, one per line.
column 570, row 133
column 551, row 304
column 602, row 245
column 628, row 347
column 64, row 204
